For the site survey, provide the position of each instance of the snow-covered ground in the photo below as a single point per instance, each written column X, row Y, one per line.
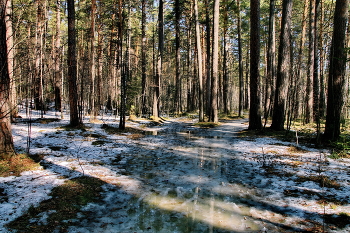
column 180, row 178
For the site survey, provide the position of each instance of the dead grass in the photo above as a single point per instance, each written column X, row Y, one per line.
column 15, row 165
column 65, row 203
column 207, row 124
column 322, row 181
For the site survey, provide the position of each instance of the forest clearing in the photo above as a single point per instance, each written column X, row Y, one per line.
column 172, row 176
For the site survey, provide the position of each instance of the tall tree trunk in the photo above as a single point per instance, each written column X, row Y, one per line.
column 299, row 75
column 240, row 62
column 271, row 61
column 92, row 61
column 208, row 58
column 57, row 58
column 283, row 69
column 6, row 140
column 11, row 58
column 72, row 66
column 225, row 76
column 254, row 113
column 309, row 111
column 39, row 55
column 143, row 59
column 123, row 62
column 156, row 96
column 200, row 63
column 337, row 68
column 215, row 65
column 178, row 57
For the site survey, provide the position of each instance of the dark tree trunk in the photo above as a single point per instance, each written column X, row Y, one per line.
column 336, row 79
column 6, row 140
column 254, row 113
column 178, row 58
column 72, row 66
column 143, row 59
column 240, row 62
column 283, row 69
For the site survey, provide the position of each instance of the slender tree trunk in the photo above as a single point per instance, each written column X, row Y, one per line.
column 309, row 111
column 143, row 59
column 6, row 140
column 254, row 113
column 178, row 57
column 271, row 61
column 215, row 65
column 156, row 96
column 10, row 58
column 337, row 68
column 38, row 55
column 225, row 76
column 283, row 69
column 240, row 61
column 72, row 66
column 208, row 58
column 92, row 61
column 57, row 57
column 299, row 75
column 200, row 64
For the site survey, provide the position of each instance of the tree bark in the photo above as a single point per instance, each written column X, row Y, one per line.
column 200, row 64
column 143, row 59
column 72, row 66
column 271, row 63
column 57, row 58
column 283, row 69
column 156, row 96
column 240, row 61
column 6, row 140
column 215, row 65
column 337, row 68
column 254, row 113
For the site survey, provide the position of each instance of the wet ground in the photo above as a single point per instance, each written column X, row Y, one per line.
column 177, row 177
column 185, row 179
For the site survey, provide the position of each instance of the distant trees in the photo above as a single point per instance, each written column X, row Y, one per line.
column 174, row 57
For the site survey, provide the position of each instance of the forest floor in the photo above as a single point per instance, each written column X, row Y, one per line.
column 171, row 176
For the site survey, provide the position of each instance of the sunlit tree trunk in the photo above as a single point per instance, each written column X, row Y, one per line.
column 6, row 140
column 254, row 113
column 337, row 68
column 40, row 17
column 271, row 63
column 240, row 61
column 11, row 58
column 92, row 60
column 215, row 65
column 283, row 69
column 200, row 63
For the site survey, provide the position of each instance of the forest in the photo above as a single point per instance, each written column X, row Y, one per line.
column 273, row 59
column 192, row 114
